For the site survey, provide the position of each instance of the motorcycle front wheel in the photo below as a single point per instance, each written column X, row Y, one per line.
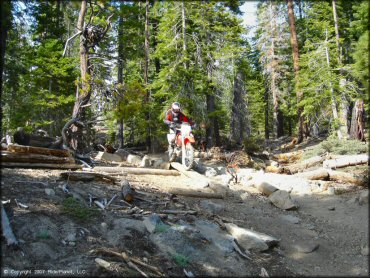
column 189, row 156
column 171, row 154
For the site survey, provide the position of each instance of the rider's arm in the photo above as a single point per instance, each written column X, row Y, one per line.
column 168, row 119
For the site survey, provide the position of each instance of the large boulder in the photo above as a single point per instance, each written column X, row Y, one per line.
column 251, row 240
column 282, row 199
column 134, row 159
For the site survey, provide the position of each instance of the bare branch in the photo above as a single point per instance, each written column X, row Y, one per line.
column 71, row 38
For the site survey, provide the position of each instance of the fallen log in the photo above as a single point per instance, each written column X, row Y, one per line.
column 7, row 230
column 346, row 177
column 298, row 167
column 86, row 176
column 39, row 165
column 190, row 174
column 127, row 191
column 288, row 157
column 38, row 150
column 127, row 259
column 136, row 171
column 346, row 160
column 326, row 174
column 196, row 194
column 318, row 174
column 34, row 158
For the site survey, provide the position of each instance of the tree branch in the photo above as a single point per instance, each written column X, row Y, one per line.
column 71, row 38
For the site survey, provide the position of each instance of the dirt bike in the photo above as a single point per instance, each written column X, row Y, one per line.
column 183, row 146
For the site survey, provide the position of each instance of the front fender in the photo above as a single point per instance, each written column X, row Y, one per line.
column 189, row 139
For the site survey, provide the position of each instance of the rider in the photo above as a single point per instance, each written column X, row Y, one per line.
column 173, row 117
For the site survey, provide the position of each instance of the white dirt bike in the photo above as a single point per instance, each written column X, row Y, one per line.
column 183, row 146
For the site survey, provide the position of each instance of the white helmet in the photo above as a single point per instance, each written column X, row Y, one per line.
column 176, row 107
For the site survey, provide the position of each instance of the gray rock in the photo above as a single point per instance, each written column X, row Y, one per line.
column 306, row 247
column 211, row 207
column 215, row 235
column 282, row 199
column 122, row 153
column 71, row 237
column 364, row 198
column 221, row 170
column 331, row 191
column 157, row 163
column 145, row 162
column 266, row 188
column 251, row 240
column 210, row 172
column 49, row 192
column 365, row 251
column 290, row 218
column 134, row 159
column 123, row 227
column 151, row 222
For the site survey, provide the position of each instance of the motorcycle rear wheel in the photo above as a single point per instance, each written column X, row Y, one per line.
column 189, row 156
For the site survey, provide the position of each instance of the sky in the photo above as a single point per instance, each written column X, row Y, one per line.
column 249, row 9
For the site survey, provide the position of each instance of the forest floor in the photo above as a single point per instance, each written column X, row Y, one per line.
column 328, row 235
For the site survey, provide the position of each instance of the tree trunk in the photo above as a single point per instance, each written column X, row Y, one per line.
column 295, row 53
column 267, row 128
column 273, row 75
column 120, row 75
column 184, row 47
column 83, row 91
column 146, row 72
column 333, row 101
column 238, row 122
column 358, row 121
column 343, row 107
column 6, row 22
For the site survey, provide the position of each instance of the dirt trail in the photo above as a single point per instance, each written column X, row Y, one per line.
column 326, row 236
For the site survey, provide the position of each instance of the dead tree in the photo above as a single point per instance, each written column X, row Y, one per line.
column 358, row 121
column 90, row 36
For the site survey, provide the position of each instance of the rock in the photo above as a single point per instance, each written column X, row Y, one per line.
column 215, row 235
column 151, row 222
column 365, row 251
column 251, row 240
column 134, row 159
column 210, row 172
column 157, row 163
column 104, row 226
column 288, row 183
column 199, row 167
column 221, row 170
column 331, row 208
column 122, row 153
column 122, row 227
column 49, row 192
column 266, row 188
column 71, row 237
column 331, row 191
column 290, row 218
column 72, row 243
column 145, row 162
column 364, row 198
column 211, row 207
column 109, row 157
column 306, row 247
column 282, row 199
